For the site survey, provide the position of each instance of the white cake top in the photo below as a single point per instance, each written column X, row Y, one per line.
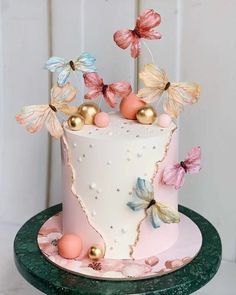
column 120, row 127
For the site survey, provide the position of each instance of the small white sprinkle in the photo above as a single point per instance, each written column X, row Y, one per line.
column 110, row 133
column 94, row 213
column 74, row 145
column 109, row 163
column 139, row 155
column 80, row 159
column 124, row 230
column 92, row 185
column 98, row 190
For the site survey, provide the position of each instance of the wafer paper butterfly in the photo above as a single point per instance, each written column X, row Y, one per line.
column 174, row 175
column 34, row 117
column 177, row 94
column 144, row 28
column 109, row 92
column 144, row 200
column 85, row 63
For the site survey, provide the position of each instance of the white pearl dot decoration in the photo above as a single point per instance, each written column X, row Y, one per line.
column 98, row 190
column 94, row 213
column 124, row 230
column 92, row 185
column 139, row 155
column 109, row 163
column 80, row 159
column 74, row 145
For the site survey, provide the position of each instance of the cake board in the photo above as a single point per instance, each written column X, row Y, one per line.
column 50, row 279
column 177, row 256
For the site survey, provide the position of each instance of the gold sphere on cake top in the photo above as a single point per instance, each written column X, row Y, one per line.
column 88, row 110
column 75, row 122
column 146, row 115
column 95, row 253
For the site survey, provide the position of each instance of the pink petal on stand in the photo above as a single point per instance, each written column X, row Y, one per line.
column 152, row 261
column 135, row 270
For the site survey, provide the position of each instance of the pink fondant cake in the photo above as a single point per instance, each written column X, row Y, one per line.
column 120, row 169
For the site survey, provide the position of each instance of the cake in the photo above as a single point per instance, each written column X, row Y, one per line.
column 104, row 165
column 120, row 169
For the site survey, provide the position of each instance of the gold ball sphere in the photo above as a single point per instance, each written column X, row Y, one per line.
column 146, row 115
column 95, row 253
column 88, row 111
column 75, row 122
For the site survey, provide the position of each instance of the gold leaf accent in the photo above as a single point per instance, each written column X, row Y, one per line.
column 73, row 190
column 152, row 180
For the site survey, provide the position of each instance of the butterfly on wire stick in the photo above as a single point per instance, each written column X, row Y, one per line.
column 85, row 63
column 144, row 29
column 35, row 117
column 158, row 212
column 175, row 174
column 175, row 95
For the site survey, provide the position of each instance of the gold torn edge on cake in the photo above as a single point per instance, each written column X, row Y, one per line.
column 152, row 180
column 165, row 154
column 137, row 237
column 73, row 190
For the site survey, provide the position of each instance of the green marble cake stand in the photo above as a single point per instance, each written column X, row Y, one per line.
column 51, row 280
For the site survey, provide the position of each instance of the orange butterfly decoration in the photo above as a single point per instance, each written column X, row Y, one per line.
column 34, row 117
column 177, row 94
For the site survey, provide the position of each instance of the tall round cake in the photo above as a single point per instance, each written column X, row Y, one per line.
column 100, row 170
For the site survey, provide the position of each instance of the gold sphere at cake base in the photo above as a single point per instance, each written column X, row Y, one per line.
column 88, row 111
column 75, row 122
column 95, row 253
column 146, row 115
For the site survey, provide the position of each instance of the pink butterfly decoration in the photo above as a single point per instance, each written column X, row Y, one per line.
column 174, row 175
column 34, row 117
column 144, row 28
column 109, row 92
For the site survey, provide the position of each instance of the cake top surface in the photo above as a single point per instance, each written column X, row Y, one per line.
column 120, row 127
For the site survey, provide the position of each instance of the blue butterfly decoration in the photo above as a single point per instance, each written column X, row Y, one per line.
column 84, row 63
column 144, row 200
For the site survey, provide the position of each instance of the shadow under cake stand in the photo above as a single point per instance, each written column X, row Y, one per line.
column 50, row 279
